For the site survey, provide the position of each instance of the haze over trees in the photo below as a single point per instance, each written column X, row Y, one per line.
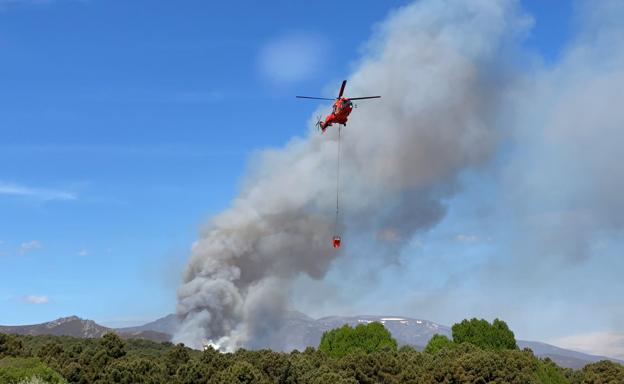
column 479, row 352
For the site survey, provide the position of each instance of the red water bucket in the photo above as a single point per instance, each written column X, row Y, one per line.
column 336, row 241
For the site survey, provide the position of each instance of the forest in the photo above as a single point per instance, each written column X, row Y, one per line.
column 478, row 352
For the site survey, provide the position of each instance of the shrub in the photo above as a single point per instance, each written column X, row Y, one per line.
column 16, row 369
column 437, row 342
column 363, row 338
column 483, row 334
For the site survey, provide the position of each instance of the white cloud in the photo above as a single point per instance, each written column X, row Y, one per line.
column 83, row 252
column 37, row 193
column 292, row 58
column 36, row 299
column 610, row 344
column 29, row 246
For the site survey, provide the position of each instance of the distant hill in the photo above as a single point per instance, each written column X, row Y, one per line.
column 69, row 326
column 167, row 324
column 406, row 330
column 77, row 327
column 147, row 334
column 563, row 357
column 296, row 331
column 417, row 332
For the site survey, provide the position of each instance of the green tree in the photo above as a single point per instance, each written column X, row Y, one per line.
column 113, row 345
column 51, row 354
column 325, row 374
column 10, row 346
column 75, row 373
column 365, row 360
column 241, row 372
column 176, row 357
column 483, row 334
column 193, row 372
column 437, row 342
column 14, row 369
column 603, row 371
column 549, row 373
column 132, row 371
column 364, row 338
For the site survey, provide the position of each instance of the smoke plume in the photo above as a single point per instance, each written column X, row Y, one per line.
column 567, row 183
column 437, row 66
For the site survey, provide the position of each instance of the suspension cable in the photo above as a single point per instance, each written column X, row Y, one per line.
column 338, row 178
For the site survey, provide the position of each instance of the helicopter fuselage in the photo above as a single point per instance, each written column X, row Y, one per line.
column 340, row 113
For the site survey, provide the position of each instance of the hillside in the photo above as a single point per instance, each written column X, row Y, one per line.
column 64, row 326
column 60, row 359
column 76, row 327
column 296, row 331
column 167, row 324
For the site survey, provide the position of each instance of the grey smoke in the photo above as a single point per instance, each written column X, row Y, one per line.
column 567, row 184
column 563, row 187
column 557, row 212
column 437, row 65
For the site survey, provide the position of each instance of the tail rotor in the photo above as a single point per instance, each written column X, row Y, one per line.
column 319, row 120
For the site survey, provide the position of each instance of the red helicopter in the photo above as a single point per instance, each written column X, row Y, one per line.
column 341, row 109
column 339, row 115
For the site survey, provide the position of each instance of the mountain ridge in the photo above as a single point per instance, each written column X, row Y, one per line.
column 82, row 328
column 297, row 330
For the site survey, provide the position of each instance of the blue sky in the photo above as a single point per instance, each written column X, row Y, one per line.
column 126, row 125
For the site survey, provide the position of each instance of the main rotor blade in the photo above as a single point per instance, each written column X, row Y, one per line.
column 342, row 87
column 315, row 98
column 363, row 98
